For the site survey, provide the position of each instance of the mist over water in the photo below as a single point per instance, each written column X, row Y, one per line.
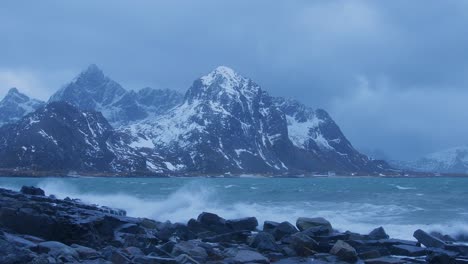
column 358, row 204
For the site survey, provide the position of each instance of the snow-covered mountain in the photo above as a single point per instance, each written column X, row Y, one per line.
column 314, row 131
column 15, row 105
column 227, row 123
column 92, row 90
column 453, row 160
column 60, row 137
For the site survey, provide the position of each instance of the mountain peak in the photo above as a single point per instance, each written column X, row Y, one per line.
column 92, row 73
column 13, row 90
column 223, row 73
column 14, row 95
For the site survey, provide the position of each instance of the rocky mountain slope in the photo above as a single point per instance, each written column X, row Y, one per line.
column 225, row 123
column 453, row 160
column 15, row 105
column 60, row 137
column 92, row 90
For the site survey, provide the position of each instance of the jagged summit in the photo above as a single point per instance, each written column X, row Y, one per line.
column 222, row 84
column 15, row 105
column 93, row 90
column 221, row 73
column 13, row 90
column 14, row 96
column 90, row 90
column 92, row 72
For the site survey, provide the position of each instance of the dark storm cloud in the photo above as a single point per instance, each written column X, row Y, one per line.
column 392, row 73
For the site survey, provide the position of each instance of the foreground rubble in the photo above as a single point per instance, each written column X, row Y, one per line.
column 35, row 228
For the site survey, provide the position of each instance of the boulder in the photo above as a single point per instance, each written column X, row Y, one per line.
column 264, row 241
column 303, row 244
column 304, row 223
column 238, row 236
column 185, row 259
column 378, row 233
column 249, row 256
column 118, row 257
column 440, row 258
column 85, row 252
column 11, row 254
column 154, row 260
column 269, row 226
column 243, row 224
column 213, row 222
column 428, row 240
column 56, row 249
column 406, row 250
column 344, row 251
column 461, row 249
column 370, row 254
column 317, row 231
column 31, row 190
column 131, row 228
column 190, row 248
column 445, row 238
column 284, row 229
column 385, row 260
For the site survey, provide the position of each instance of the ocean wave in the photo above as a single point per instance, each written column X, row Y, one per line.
column 193, row 198
column 399, row 187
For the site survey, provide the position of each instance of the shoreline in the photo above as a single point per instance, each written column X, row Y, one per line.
column 253, row 176
column 72, row 231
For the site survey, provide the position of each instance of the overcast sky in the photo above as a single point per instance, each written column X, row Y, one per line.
column 393, row 74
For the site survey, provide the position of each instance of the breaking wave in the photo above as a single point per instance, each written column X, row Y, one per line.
column 193, row 198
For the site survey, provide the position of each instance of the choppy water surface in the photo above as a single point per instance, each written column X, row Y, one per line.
column 400, row 205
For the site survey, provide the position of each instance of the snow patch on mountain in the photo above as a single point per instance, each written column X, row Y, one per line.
column 452, row 160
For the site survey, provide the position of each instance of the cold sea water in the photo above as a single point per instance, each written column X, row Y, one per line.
column 400, row 205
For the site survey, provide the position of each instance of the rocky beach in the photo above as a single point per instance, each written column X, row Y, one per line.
column 36, row 227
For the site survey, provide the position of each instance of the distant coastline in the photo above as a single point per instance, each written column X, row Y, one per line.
column 62, row 174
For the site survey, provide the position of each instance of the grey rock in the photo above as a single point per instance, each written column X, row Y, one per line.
column 445, row 238
column 154, row 260
column 284, row 229
column 303, row 244
column 378, row 233
column 460, row 248
column 85, row 252
column 31, row 190
column 304, row 223
column 10, row 254
column 190, row 248
column 238, row 236
column 406, row 250
column 369, row 254
column 56, row 249
column 428, row 240
column 269, row 226
column 385, row 260
column 264, row 241
column 317, row 231
column 344, row 251
column 248, row 256
column 213, row 222
column 248, row 223
column 119, row 257
column 185, row 259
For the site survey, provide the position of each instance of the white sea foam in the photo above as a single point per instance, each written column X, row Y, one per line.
column 403, row 187
column 192, row 199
